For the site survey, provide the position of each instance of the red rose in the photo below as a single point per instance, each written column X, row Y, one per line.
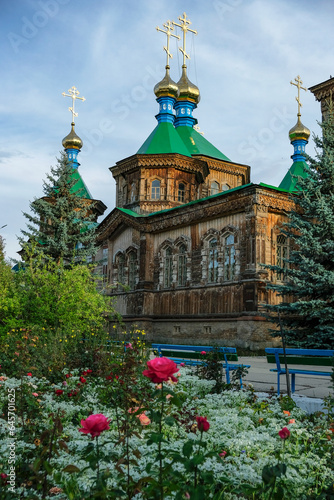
column 95, row 424
column 202, row 424
column 59, row 392
column 29, row 374
column 160, row 370
column 83, row 380
column 89, row 371
column 284, row 433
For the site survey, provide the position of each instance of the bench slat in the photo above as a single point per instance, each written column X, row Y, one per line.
column 195, row 355
column 302, row 360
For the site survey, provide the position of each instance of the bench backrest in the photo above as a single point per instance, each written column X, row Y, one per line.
column 193, row 352
column 313, row 357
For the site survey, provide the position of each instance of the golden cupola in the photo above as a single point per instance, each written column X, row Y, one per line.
column 299, row 131
column 187, row 89
column 167, row 87
column 72, row 140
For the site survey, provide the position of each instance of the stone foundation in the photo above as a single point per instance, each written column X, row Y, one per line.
column 246, row 332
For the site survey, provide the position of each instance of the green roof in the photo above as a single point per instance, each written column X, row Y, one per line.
column 290, row 180
column 198, row 145
column 80, row 187
column 164, row 139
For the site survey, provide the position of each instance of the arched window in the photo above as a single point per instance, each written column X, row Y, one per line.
column 213, row 261
column 120, row 263
column 225, row 187
column 229, row 258
column 155, row 190
column 182, row 266
column 168, row 267
column 282, row 253
column 181, row 194
column 214, row 188
column 132, row 270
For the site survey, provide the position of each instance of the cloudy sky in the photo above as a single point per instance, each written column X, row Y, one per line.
column 243, row 59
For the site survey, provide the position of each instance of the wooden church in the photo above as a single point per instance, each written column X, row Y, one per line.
column 183, row 251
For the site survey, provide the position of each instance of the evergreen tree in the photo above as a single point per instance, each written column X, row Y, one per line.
column 62, row 221
column 307, row 289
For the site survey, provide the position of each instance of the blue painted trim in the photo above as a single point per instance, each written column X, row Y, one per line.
column 166, row 104
column 299, row 150
column 72, row 155
column 184, row 114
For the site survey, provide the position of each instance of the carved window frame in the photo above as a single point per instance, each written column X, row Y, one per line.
column 210, row 257
column 181, row 193
column 216, row 189
column 155, row 198
column 230, row 253
column 168, row 267
column 119, row 270
column 132, row 267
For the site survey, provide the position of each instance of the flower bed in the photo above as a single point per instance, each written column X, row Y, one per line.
column 157, row 433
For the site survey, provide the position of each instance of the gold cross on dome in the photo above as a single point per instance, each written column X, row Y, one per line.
column 184, row 27
column 299, row 86
column 169, row 28
column 73, row 93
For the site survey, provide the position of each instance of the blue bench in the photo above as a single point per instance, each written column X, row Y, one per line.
column 191, row 355
column 305, row 357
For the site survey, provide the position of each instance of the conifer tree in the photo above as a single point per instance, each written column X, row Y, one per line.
column 307, row 289
column 61, row 222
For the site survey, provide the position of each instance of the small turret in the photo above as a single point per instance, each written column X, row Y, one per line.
column 299, row 136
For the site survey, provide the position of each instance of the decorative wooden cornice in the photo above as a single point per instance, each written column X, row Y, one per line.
column 323, row 90
column 172, row 160
column 241, row 200
column 228, row 167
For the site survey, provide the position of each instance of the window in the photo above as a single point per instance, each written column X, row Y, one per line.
column 213, row 261
column 214, row 187
column 155, row 190
column 168, row 267
column 132, row 270
column 282, row 253
column 225, row 187
column 181, row 192
column 229, row 257
column 182, row 266
column 120, row 263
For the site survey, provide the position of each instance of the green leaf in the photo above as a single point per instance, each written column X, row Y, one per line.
column 187, row 448
column 268, row 475
column 170, row 421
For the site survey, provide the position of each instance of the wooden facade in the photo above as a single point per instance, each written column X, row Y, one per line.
column 188, row 266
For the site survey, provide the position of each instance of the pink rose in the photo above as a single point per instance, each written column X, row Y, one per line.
column 35, row 394
column 202, row 424
column 284, row 433
column 222, row 453
column 143, row 419
column 203, row 352
column 160, row 370
column 95, row 424
column 128, row 346
column 182, row 364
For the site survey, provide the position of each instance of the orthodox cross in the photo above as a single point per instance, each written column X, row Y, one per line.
column 73, row 93
column 299, row 86
column 184, row 27
column 169, row 28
